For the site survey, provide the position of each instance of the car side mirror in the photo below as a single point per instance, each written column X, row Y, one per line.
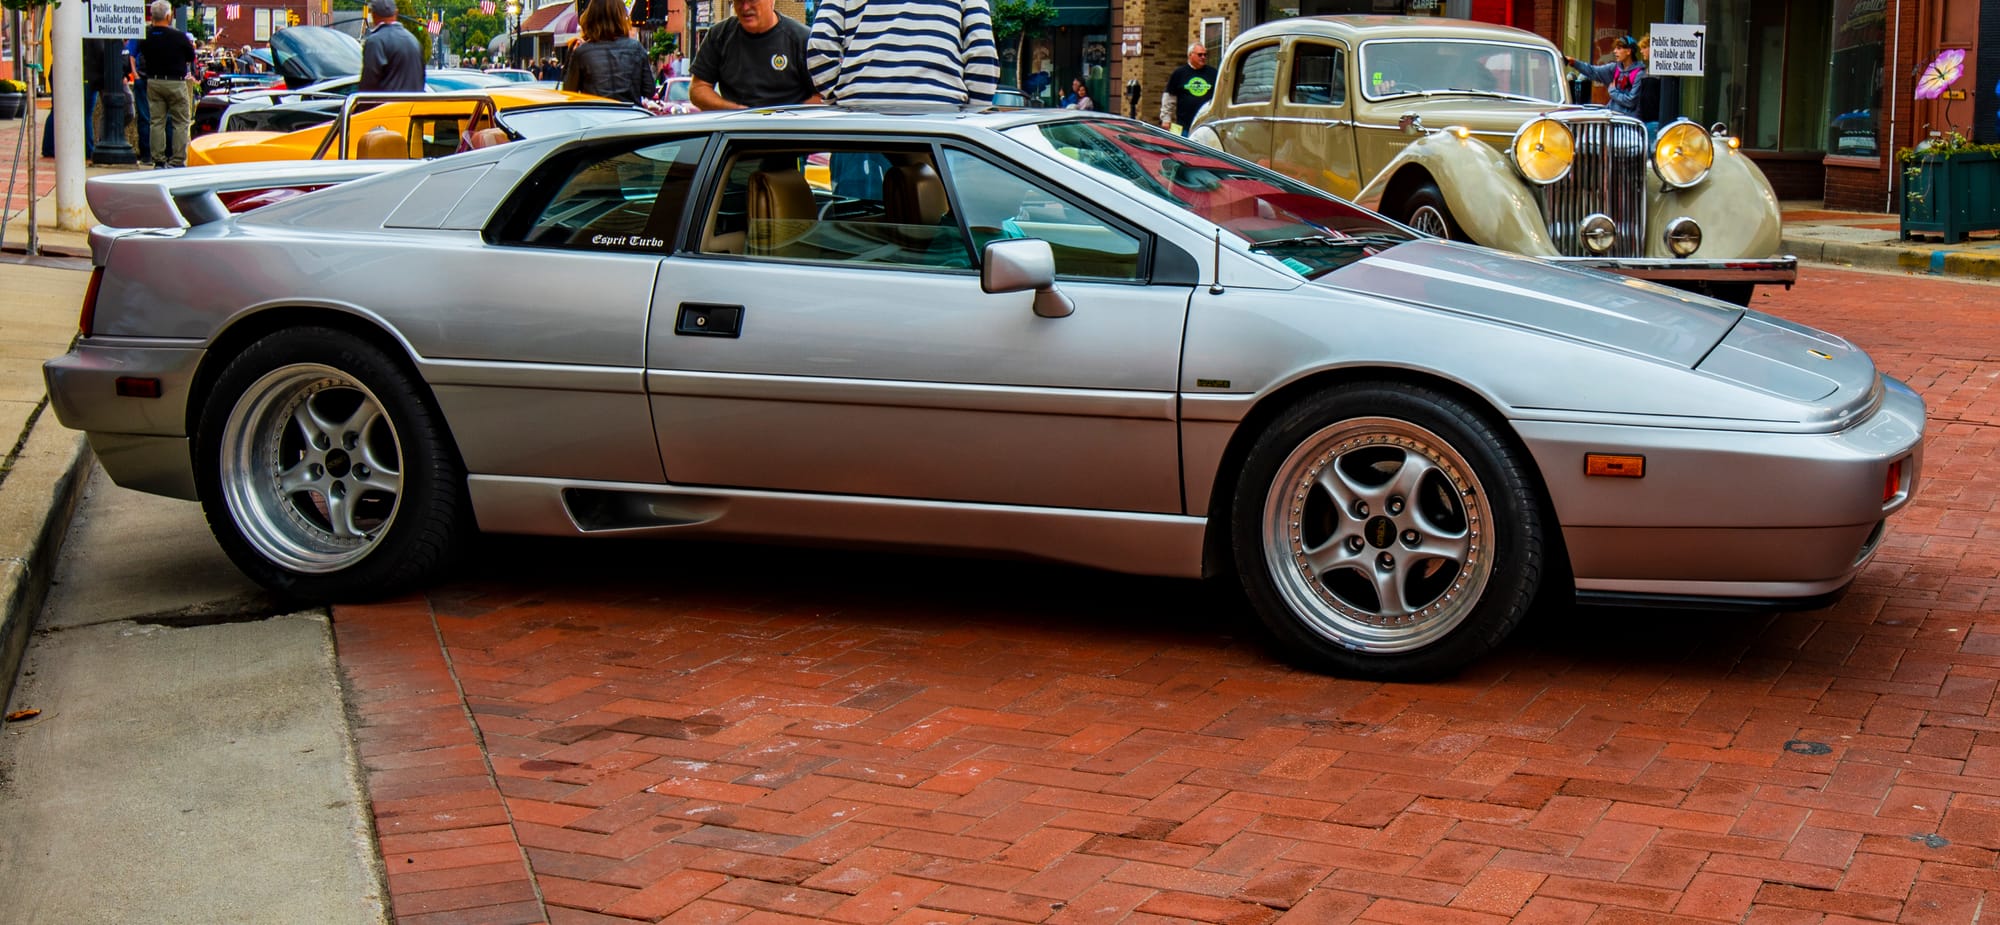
column 1021, row 265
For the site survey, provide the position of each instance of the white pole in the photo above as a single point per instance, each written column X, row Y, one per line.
column 67, row 38
column 1888, row 154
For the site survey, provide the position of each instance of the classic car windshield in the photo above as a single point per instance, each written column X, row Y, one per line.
column 1308, row 231
column 1431, row 66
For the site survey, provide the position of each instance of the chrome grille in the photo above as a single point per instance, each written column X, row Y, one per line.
column 1608, row 176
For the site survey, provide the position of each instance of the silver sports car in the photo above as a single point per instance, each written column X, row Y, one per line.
column 1033, row 333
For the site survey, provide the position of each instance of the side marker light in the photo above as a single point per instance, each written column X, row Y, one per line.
column 1614, row 466
column 137, row 387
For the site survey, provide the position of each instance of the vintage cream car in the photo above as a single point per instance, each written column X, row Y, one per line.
column 1465, row 130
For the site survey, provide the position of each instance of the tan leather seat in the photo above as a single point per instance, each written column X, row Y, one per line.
column 382, row 144
column 913, row 194
column 488, row 137
column 781, row 210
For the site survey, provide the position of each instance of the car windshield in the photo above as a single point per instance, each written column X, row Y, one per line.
column 1308, row 231
column 1431, row 66
column 543, row 121
column 677, row 90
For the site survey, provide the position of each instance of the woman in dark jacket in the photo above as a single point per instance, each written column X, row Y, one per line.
column 607, row 61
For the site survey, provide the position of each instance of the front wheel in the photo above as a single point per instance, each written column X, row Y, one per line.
column 324, row 471
column 1424, row 209
column 1387, row 531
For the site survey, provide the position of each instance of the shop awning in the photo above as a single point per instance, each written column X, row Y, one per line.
column 1082, row 13
column 543, row 18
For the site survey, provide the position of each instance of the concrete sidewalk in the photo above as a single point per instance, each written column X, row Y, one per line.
column 1871, row 241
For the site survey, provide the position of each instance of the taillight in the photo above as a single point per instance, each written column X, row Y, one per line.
column 87, row 319
column 247, row 199
column 1892, row 485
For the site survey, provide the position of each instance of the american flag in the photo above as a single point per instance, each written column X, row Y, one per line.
column 486, row 7
column 232, row 11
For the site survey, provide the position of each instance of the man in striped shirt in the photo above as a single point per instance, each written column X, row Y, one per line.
column 904, row 51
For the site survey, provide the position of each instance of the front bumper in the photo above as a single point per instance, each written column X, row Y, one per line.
column 1780, row 270
column 1778, row 518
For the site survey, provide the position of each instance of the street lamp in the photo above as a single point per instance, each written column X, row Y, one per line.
column 514, row 47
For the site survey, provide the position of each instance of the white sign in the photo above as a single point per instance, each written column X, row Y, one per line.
column 115, row 19
column 1677, row 50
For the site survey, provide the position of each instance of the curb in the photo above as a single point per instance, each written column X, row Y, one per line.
column 1906, row 259
column 36, row 501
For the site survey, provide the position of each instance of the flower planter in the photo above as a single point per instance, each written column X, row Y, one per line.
column 1951, row 195
column 11, row 103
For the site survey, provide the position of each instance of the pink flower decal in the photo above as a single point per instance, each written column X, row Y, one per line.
column 1942, row 73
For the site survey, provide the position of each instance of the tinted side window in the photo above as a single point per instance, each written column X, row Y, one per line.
column 1319, row 75
column 1256, row 76
column 998, row 204
column 618, row 201
column 854, row 203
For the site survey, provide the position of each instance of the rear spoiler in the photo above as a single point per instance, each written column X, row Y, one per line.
column 187, row 197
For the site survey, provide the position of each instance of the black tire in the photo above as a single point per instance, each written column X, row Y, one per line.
column 1424, row 209
column 1369, row 490
column 293, row 463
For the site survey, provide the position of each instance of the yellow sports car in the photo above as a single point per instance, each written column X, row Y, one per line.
column 415, row 126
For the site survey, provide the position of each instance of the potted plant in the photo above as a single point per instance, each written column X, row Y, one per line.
column 1951, row 186
column 13, row 96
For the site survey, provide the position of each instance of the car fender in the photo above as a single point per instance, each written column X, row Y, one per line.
column 1490, row 203
column 1735, row 206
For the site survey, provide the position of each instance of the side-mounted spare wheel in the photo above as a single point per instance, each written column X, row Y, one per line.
column 1387, row 531
column 324, row 470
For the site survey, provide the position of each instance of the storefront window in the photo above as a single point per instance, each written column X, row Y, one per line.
column 1854, row 82
column 1766, row 73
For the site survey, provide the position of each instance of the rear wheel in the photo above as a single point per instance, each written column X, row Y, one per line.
column 1387, row 531
column 323, row 470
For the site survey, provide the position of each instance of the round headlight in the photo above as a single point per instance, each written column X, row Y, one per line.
column 1683, row 154
column 1683, row 236
column 1598, row 233
column 1543, row 150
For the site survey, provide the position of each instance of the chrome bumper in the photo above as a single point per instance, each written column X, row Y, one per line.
column 1784, row 270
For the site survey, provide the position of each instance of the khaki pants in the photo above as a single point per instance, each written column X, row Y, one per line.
column 169, row 102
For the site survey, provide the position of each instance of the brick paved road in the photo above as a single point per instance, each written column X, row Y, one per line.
column 713, row 734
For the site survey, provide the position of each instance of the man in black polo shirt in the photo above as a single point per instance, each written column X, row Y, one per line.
column 757, row 59
column 167, row 53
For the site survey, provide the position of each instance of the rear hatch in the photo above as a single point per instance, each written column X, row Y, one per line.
column 305, row 54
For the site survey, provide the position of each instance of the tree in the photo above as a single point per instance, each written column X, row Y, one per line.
column 411, row 15
column 1014, row 19
column 665, row 43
